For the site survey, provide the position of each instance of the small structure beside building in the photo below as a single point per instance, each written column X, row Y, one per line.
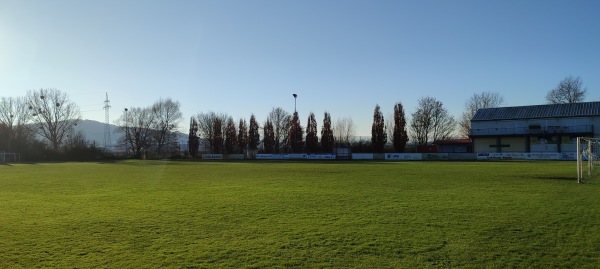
column 454, row 145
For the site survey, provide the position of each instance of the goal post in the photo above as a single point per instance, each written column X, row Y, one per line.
column 588, row 156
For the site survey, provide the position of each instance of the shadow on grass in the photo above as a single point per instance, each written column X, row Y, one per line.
column 555, row 178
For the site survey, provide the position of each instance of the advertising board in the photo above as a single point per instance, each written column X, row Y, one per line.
column 212, row 156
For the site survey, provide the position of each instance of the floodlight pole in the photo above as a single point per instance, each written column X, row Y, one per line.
column 126, row 134
column 295, row 127
column 295, row 96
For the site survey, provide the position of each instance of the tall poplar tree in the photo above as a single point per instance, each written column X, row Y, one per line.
column 295, row 134
column 230, row 136
column 327, row 140
column 378, row 135
column 400, row 135
column 242, row 136
column 312, row 140
column 253, row 134
column 269, row 137
column 193, row 139
column 217, row 139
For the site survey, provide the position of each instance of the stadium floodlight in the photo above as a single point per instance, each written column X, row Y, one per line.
column 295, row 96
column 588, row 156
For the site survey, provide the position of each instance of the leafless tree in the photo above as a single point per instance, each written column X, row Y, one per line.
column 167, row 115
column 281, row 121
column 431, row 122
column 137, row 127
column 206, row 123
column 568, row 90
column 14, row 114
column 53, row 115
column 475, row 102
column 344, row 131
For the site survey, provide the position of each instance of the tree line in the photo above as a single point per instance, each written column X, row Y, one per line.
column 40, row 125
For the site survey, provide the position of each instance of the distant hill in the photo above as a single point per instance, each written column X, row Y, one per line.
column 94, row 132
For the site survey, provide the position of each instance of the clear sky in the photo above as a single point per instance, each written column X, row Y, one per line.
column 242, row 57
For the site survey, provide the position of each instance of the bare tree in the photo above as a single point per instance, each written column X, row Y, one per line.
column 167, row 115
column 206, row 123
column 281, row 121
column 568, row 90
column 431, row 122
column 400, row 136
column 474, row 103
column 378, row 135
column 14, row 115
column 344, row 131
column 312, row 140
column 53, row 114
column 327, row 140
column 137, row 127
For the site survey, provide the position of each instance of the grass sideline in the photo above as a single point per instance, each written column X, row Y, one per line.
column 164, row 214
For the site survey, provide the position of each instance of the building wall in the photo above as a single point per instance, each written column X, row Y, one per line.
column 513, row 144
column 517, row 136
column 482, row 144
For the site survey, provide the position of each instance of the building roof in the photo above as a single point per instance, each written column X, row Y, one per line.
column 453, row 141
column 538, row 111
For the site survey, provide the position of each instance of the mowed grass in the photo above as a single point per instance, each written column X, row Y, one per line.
column 164, row 214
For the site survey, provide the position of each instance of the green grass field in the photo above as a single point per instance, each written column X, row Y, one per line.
column 163, row 214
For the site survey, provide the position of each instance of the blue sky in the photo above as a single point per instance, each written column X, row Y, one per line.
column 344, row 57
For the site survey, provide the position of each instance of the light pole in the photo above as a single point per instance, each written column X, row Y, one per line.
column 295, row 96
column 126, row 134
column 295, row 142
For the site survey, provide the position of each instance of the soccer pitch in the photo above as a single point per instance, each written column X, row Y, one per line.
column 165, row 214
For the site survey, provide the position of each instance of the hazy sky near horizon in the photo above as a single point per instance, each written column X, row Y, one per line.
column 344, row 57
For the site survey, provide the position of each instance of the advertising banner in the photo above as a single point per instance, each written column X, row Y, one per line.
column 212, row 156
column 542, row 156
column 404, row 156
column 362, row 156
column 499, row 156
column 519, row 156
column 321, row 156
column 435, row 156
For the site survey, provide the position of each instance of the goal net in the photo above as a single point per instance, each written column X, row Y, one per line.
column 588, row 158
column 10, row 157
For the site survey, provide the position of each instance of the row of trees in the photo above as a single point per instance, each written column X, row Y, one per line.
column 281, row 132
column 430, row 121
column 41, row 125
